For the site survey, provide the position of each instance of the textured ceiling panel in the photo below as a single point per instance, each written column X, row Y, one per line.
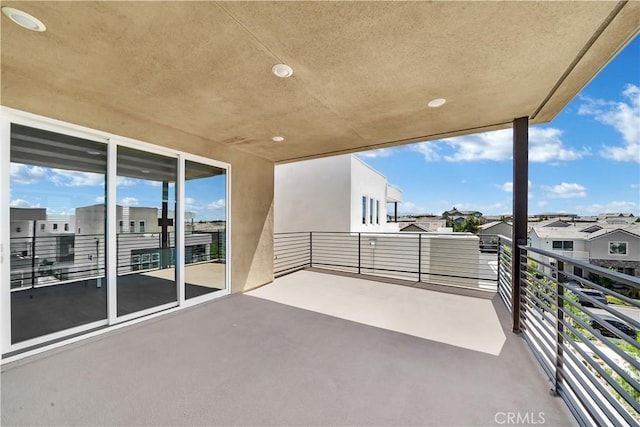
column 363, row 71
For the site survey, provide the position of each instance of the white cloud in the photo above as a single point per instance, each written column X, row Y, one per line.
column 67, row 178
column 611, row 207
column 99, row 199
column 545, row 145
column 24, row 174
column 406, row 208
column 624, row 117
column 566, row 191
column 129, row 201
column 428, row 150
column 21, row 203
column 623, row 206
column 380, row 152
column 125, row 182
column 542, row 203
column 508, row 187
column 153, row 183
column 634, row 186
column 218, row 204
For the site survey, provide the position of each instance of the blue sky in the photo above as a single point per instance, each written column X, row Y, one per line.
column 586, row 161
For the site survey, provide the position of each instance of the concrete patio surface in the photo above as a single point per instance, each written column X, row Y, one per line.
column 244, row 360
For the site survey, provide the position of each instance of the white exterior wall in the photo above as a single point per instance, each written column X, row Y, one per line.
column 366, row 181
column 326, row 195
column 313, row 195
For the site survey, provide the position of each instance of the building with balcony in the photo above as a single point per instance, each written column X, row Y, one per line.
column 607, row 245
column 340, row 194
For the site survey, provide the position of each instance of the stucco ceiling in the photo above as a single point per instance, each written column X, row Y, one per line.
column 363, row 71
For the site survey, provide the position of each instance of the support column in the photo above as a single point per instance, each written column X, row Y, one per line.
column 395, row 211
column 520, row 211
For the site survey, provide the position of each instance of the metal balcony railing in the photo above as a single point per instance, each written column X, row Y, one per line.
column 424, row 257
column 587, row 345
column 66, row 258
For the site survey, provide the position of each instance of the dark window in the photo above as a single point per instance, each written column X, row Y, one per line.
column 364, row 209
column 18, row 229
column 55, row 226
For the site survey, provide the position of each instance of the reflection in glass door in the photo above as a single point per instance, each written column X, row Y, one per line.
column 57, row 232
column 205, row 229
column 145, row 208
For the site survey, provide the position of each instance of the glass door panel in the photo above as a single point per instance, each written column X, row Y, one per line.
column 145, row 207
column 57, row 236
column 205, row 229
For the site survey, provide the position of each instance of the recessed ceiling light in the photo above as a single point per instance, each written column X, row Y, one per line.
column 282, row 70
column 145, row 170
column 278, row 138
column 438, row 102
column 94, row 153
column 24, row 19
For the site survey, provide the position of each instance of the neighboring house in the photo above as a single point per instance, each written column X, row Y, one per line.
column 455, row 213
column 417, row 227
column 489, row 232
column 604, row 244
column 618, row 248
column 337, row 194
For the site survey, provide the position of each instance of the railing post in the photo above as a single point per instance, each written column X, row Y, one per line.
column 520, row 208
column 33, row 256
column 420, row 257
column 560, row 330
column 310, row 249
column 359, row 252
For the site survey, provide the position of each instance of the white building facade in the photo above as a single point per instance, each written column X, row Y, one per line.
column 339, row 194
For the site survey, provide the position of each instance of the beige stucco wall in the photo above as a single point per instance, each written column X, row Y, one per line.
column 251, row 177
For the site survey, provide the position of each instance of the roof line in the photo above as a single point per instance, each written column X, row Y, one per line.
column 616, row 10
column 391, row 144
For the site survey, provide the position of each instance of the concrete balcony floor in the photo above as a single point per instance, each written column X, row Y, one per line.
column 430, row 358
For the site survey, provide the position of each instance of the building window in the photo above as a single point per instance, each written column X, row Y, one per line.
column 364, row 209
column 132, row 226
column 42, row 227
column 377, row 211
column 66, row 227
column 18, row 229
column 141, row 224
column 121, row 226
column 563, row 245
column 370, row 211
column 55, row 227
column 617, row 248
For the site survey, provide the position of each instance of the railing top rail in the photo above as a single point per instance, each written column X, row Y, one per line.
column 620, row 277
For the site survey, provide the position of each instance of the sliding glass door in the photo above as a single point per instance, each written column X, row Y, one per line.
column 102, row 231
column 205, row 229
column 57, row 232
column 145, row 215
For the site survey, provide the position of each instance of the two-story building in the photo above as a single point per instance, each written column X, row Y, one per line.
column 340, row 193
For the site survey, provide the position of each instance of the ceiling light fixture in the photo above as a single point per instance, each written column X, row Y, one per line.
column 282, row 70
column 438, row 102
column 145, row 170
column 94, row 153
column 24, row 19
column 278, row 138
